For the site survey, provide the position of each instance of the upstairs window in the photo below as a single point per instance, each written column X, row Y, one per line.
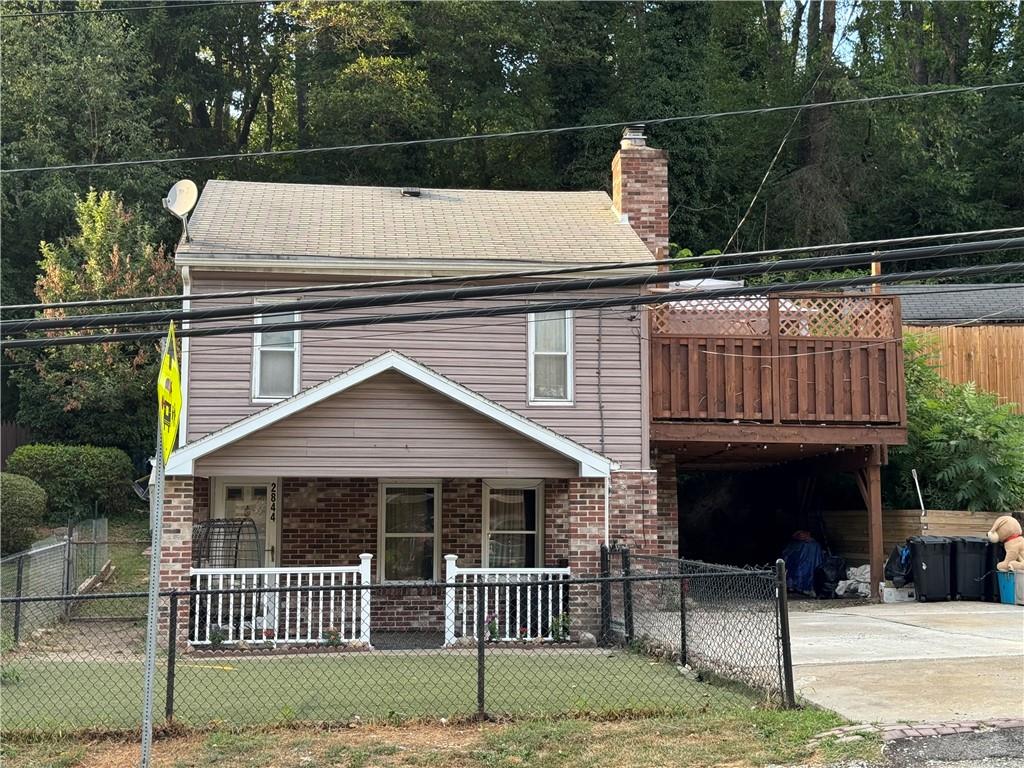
column 550, row 351
column 275, row 359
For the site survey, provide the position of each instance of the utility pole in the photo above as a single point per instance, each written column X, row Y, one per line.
column 168, row 409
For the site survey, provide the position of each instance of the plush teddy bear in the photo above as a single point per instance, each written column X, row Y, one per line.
column 1007, row 530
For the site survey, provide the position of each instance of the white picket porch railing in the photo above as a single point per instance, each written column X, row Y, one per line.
column 311, row 609
column 518, row 603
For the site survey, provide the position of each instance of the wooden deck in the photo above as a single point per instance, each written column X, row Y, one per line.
column 810, row 367
column 747, row 382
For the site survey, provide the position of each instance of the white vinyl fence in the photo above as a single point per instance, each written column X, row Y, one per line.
column 310, row 608
column 524, row 604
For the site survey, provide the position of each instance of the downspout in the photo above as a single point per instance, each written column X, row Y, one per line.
column 607, row 507
column 186, row 305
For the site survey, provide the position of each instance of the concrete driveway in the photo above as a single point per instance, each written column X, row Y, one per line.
column 928, row 662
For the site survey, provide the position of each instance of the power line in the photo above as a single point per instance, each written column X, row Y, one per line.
column 519, row 309
column 497, row 291
column 517, row 134
column 505, row 275
column 789, row 131
column 566, row 270
column 126, row 9
column 775, row 159
column 461, row 327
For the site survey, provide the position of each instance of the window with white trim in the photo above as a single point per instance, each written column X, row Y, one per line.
column 275, row 359
column 409, row 531
column 550, row 353
column 513, row 525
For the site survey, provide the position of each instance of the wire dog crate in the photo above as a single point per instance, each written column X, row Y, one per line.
column 226, row 544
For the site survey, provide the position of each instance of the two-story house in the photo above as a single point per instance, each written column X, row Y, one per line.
column 511, row 443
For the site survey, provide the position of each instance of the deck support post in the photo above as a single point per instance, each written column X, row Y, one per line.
column 869, row 480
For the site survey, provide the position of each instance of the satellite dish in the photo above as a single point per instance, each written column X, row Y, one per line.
column 181, row 200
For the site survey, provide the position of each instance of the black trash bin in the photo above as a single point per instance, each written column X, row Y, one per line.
column 994, row 554
column 970, row 554
column 931, row 556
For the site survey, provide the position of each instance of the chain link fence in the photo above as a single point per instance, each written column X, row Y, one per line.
column 87, row 674
column 719, row 622
column 42, row 570
column 80, row 562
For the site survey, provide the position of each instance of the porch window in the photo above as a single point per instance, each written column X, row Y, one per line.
column 275, row 360
column 550, row 353
column 512, row 525
column 409, row 520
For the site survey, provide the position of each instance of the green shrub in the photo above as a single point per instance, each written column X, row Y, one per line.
column 967, row 448
column 75, row 477
column 22, row 509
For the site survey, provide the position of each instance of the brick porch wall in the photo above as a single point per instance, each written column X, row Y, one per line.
column 176, row 547
column 668, row 502
column 328, row 521
column 635, row 522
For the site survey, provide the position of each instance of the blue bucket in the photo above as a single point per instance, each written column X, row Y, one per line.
column 1006, row 585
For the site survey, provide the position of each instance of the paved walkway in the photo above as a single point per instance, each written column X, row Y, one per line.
column 912, row 662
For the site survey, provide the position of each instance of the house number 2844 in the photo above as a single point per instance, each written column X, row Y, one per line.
column 273, row 501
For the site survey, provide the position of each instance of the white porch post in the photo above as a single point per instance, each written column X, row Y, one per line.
column 364, row 605
column 450, row 569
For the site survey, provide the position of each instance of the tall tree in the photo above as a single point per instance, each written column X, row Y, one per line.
column 100, row 394
column 75, row 89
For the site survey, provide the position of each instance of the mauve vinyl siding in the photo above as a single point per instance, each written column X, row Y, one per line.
column 355, row 434
column 487, row 355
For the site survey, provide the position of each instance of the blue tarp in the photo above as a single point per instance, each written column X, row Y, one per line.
column 802, row 558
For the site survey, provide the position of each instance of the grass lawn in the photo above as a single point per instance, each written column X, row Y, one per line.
column 48, row 695
column 740, row 739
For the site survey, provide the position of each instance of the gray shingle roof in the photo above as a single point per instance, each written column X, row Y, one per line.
column 240, row 221
column 950, row 304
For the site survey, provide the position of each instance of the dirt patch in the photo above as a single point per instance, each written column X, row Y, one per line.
column 387, row 746
column 85, row 640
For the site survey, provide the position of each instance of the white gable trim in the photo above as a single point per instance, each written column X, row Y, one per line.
column 592, row 464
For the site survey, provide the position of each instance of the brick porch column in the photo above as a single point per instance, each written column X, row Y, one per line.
column 634, row 520
column 668, row 503
column 176, row 549
column 586, row 534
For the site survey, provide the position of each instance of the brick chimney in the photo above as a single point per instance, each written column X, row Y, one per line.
column 640, row 189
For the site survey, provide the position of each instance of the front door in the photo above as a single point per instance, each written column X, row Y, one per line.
column 257, row 547
column 257, row 501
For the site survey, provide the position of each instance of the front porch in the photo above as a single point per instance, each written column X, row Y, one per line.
column 393, row 461
column 312, row 542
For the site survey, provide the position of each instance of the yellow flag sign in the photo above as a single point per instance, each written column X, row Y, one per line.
column 168, row 392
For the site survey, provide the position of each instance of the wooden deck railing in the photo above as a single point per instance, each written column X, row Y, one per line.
column 805, row 358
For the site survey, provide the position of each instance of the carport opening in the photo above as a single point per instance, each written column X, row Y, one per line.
column 749, row 517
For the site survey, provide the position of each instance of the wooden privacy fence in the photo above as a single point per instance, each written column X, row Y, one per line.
column 11, row 436
column 992, row 356
column 819, row 358
column 847, row 530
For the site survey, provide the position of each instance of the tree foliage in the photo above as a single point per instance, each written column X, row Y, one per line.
column 100, row 394
column 184, row 79
column 967, row 448
column 77, row 477
column 24, row 509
